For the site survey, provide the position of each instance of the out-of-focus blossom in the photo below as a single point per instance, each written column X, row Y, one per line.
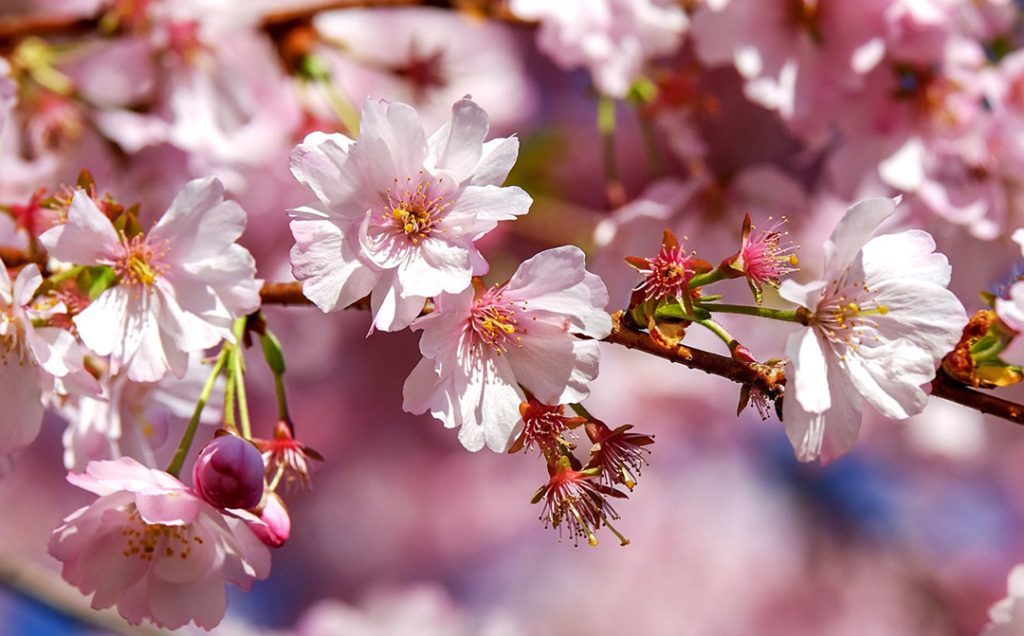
column 154, row 549
column 433, row 58
column 8, row 94
column 613, row 39
column 1011, row 311
column 424, row 610
column 178, row 289
column 799, row 57
column 400, row 213
column 882, row 319
column 33, row 360
column 481, row 348
column 228, row 473
column 133, row 419
column 285, row 457
column 1007, row 616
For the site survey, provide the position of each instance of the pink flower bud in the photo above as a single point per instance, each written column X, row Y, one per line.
column 273, row 525
column 229, row 473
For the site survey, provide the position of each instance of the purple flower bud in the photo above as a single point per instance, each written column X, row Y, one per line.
column 229, row 473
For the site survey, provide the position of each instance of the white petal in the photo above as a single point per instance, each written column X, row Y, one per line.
column 435, row 266
column 890, row 377
column 88, row 236
column 808, row 381
column 22, row 404
column 319, row 163
column 103, row 322
column 853, row 231
column 458, row 145
column 200, row 223
column 332, row 275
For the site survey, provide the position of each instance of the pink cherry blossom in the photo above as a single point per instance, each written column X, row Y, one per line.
column 882, row 319
column 613, row 39
column 155, row 550
column 481, row 349
column 179, row 288
column 8, row 94
column 399, row 212
column 33, row 361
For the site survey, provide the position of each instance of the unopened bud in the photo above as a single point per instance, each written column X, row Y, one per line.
column 229, row 473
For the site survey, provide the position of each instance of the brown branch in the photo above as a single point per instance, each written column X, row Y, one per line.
column 12, row 257
column 769, row 380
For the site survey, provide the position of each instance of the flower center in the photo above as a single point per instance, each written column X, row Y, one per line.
column 767, row 256
column 668, row 274
column 147, row 540
column 415, row 210
column 494, row 321
column 140, row 262
column 845, row 315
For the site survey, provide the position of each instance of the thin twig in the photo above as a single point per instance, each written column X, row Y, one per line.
column 769, row 380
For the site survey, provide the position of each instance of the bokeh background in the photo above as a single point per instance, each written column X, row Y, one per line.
column 404, row 532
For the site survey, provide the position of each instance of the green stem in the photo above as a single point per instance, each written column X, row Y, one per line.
column 238, row 369
column 178, row 460
column 282, row 399
column 715, row 275
column 614, row 189
column 580, row 410
column 229, row 399
column 800, row 314
column 60, row 277
column 719, row 331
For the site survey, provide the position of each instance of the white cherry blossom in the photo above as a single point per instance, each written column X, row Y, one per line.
column 882, row 319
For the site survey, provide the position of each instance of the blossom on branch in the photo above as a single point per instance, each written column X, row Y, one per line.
column 481, row 348
column 400, row 213
column 882, row 319
column 178, row 289
column 153, row 548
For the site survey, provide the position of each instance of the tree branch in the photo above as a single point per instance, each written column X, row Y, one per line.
column 771, row 381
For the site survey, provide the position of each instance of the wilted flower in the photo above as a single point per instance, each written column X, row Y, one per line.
column 764, row 257
column 178, row 289
column 286, row 457
column 543, row 426
column 577, row 499
column 882, row 320
column 618, row 453
column 482, row 349
column 154, row 549
column 668, row 275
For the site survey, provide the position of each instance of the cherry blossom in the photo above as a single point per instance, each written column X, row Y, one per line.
column 34, row 360
column 179, row 288
column 611, row 38
column 399, row 212
column 134, row 419
column 881, row 320
column 481, row 348
column 154, row 549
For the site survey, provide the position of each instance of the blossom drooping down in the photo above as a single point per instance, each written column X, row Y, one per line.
column 153, row 548
column 178, row 289
column 32, row 360
column 399, row 212
column 613, row 39
column 481, row 348
column 881, row 321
